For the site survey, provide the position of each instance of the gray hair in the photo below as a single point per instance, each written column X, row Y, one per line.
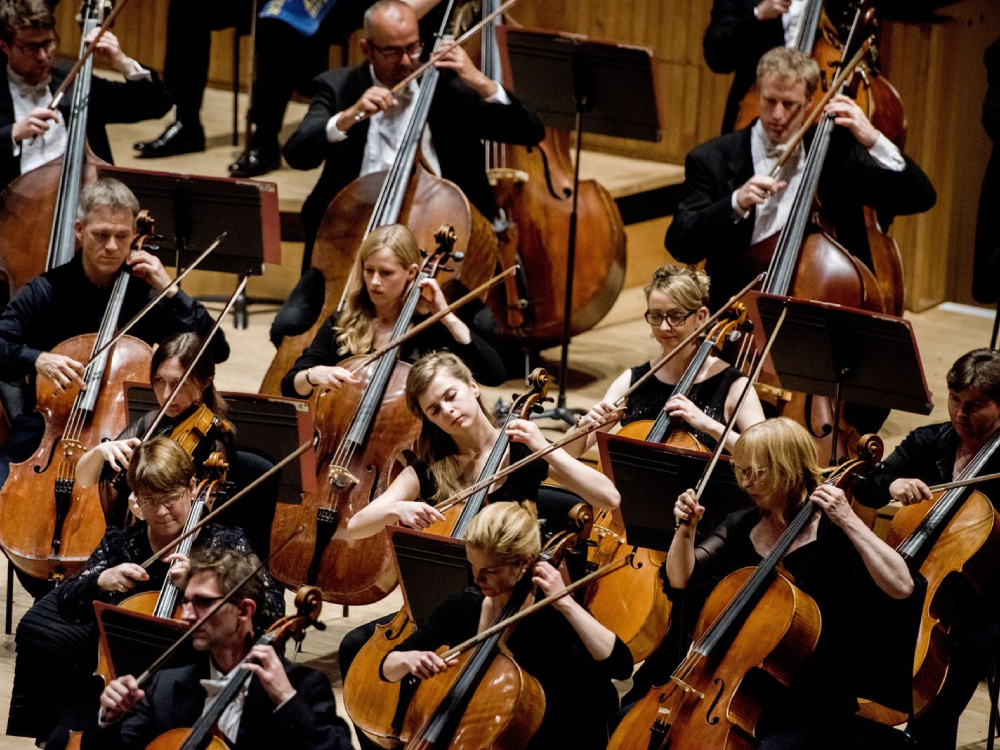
column 373, row 10
column 106, row 193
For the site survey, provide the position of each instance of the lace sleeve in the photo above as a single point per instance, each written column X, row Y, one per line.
column 223, row 537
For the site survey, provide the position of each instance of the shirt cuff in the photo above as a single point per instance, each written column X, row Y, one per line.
column 279, row 706
column 500, row 97
column 738, row 213
column 887, row 155
column 333, row 133
column 137, row 72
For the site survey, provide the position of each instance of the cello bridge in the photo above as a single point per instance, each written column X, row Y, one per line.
column 504, row 174
column 70, row 447
column 686, row 688
column 341, row 477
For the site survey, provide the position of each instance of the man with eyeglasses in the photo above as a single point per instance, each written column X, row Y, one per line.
column 282, row 705
column 354, row 127
column 31, row 133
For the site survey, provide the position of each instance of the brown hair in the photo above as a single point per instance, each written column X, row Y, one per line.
column 17, row 15
column 354, row 325
column 978, row 369
column 106, row 193
column 790, row 66
column 788, row 454
column 434, row 446
column 508, row 530
column 229, row 567
column 159, row 466
column 184, row 346
column 688, row 285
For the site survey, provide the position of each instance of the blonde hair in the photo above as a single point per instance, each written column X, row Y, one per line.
column 686, row 284
column 508, row 530
column 791, row 67
column 159, row 467
column 434, row 446
column 355, row 333
column 788, row 454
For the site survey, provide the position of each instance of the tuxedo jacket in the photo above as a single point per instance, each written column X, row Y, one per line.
column 110, row 101
column 459, row 120
column 703, row 226
column 175, row 698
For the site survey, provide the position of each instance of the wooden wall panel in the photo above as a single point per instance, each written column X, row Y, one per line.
column 936, row 66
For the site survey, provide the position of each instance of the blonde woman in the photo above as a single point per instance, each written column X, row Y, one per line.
column 388, row 263
column 676, row 304
column 836, row 559
column 571, row 654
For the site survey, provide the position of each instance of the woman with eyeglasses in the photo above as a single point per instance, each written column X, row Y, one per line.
column 57, row 638
column 676, row 304
column 837, row 560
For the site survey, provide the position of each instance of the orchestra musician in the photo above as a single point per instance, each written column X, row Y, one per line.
column 570, row 653
column 835, row 559
column 170, row 360
column 456, row 437
column 71, row 300
column 467, row 108
column 57, row 638
column 388, row 262
column 32, row 134
column 730, row 202
column 676, row 304
column 932, row 455
column 287, row 705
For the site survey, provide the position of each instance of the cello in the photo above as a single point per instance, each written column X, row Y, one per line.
column 374, row 704
column 633, row 605
column 361, row 431
column 52, row 541
column 753, row 632
column 533, row 187
column 405, row 194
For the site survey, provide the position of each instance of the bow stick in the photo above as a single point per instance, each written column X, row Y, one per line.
column 964, row 482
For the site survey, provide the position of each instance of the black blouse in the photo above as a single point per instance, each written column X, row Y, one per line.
column 709, row 395
column 579, row 696
column 477, row 354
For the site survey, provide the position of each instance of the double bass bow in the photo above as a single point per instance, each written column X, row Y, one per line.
column 405, row 194
column 373, row 704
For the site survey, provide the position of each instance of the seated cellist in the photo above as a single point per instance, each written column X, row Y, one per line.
column 932, row 455
column 835, row 558
column 676, row 304
column 570, row 653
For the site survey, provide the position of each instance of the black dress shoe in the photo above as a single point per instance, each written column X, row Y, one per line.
column 255, row 162
column 178, row 138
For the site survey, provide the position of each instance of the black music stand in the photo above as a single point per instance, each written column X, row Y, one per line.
column 431, row 568
column 191, row 211
column 844, row 353
column 132, row 641
column 566, row 77
column 650, row 476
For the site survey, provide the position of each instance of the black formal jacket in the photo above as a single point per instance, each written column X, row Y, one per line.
column 703, row 226
column 175, row 698
column 459, row 118
column 110, row 101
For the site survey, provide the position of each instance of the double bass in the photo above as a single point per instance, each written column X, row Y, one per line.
column 533, row 187
column 362, row 428
column 755, row 630
column 405, row 194
column 49, row 526
column 374, row 704
column 632, row 604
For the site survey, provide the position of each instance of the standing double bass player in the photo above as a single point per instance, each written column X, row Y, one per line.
column 354, row 125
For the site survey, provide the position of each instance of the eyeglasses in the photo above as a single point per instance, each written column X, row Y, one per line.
column 33, row 48
column 675, row 319
column 200, row 603
column 395, row 54
column 747, row 474
column 167, row 501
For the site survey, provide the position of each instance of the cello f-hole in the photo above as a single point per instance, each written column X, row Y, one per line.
column 709, row 719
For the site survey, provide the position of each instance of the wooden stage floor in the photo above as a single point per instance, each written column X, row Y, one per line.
column 596, row 357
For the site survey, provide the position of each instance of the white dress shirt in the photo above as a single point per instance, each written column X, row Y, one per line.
column 790, row 21
column 772, row 215
column 385, row 131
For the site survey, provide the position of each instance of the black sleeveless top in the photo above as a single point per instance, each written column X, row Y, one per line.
column 709, row 395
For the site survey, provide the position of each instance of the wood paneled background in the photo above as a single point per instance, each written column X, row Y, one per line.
column 936, row 66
